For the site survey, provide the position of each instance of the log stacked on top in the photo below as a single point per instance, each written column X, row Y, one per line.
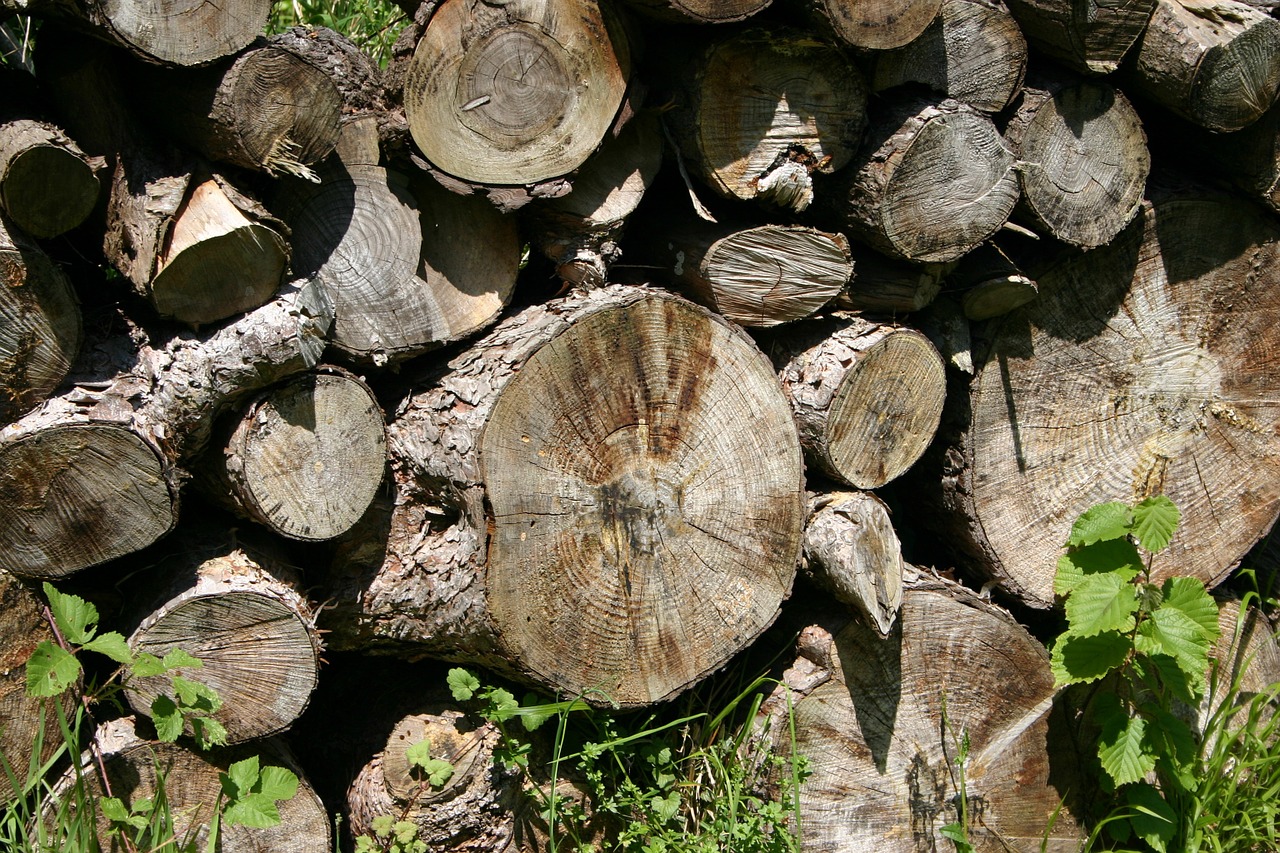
column 601, row 488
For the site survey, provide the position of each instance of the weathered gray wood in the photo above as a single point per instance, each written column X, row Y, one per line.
column 1089, row 38
column 887, row 286
column 851, row 550
column 992, row 282
column 878, row 25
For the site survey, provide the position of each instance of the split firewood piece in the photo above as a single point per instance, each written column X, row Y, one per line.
column 1169, row 394
column 757, row 277
column 47, row 184
column 241, row 615
column 579, row 232
column 973, row 52
column 193, row 789
column 184, row 33
column 1215, row 62
column 518, row 93
column 852, row 551
column 888, row 286
column 304, row 458
column 867, row 397
column 992, row 282
column 92, row 475
column 40, row 327
column 1091, row 39
column 933, row 180
column 878, row 25
column 603, row 497
column 1083, row 159
column 760, row 111
column 269, row 109
column 880, row 721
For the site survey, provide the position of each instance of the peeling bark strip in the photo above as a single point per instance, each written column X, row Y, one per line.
column 761, row 111
column 515, row 93
column 869, row 716
column 92, row 475
column 1088, row 37
column 1137, row 371
column 40, row 326
column 604, row 497
column 852, row 551
column 47, row 184
column 867, row 397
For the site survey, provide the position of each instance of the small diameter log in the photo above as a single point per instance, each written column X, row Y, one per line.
column 761, row 111
column 1215, row 62
column 603, row 498
column 880, row 722
column 1083, row 159
column 515, row 94
column 1137, row 371
column 757, row 277
column 887, row 286
column 867, row 397
column 973, row 52
column 699, row 11
column 1089, row 38
column 579, row 232
column 92, row 475
column 47, row 184
column 242, row 616
column 193, row 789
column 933, row 180
column 878, row 25
column 993, row 284
column 304, row 458
column 40, row 327
column 852, row 551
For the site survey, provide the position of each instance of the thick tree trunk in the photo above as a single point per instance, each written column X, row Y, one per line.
column 1088, row 37
column 519, row 93
column 878, row 25
column 851, row 551
column 47, row 184
column 933, row 180
column 880, row 722
column 603, row 497
column 1137, row 371
column 92, row 475
column 40, row 326
column 304, row 458
column 866, row 396
column 758, row 112
column 973, row 52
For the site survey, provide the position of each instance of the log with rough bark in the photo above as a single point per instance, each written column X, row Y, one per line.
column 1083, row 158
column 47, row 184
column 193, row 790
column 867, row 396
column 602, row 497
column 1139, row 370
column 888, row 286
column 878, row 25
column 1215, row 62
column 852, row 551
column 93, row 474
column 1090, row 38
column 973, row 52
column 932, row 181
column 880, row 721
column 758, row 112
column 304, row 458
column 240, row 613
column 519, row 93
column 40, row 327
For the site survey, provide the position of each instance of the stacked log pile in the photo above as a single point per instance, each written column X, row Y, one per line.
column 565, row 344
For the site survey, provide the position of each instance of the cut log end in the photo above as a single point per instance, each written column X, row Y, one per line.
column 291, row 111
column 187, row 32
column 879, row 25
column 48, row 190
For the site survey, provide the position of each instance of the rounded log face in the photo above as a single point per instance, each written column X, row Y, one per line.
column 1144, row 367
column 515, row 93
column 79, row 495
column 644, row 477
column 186, row 32
column 290, row 110
column 48, row 190
column 718, row 11
column 222, row 276
column 879, row 24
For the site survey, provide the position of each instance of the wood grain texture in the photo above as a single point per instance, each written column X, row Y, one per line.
column 877, row 25
column 852, row 551
column 1087, row 37
column 47, row 184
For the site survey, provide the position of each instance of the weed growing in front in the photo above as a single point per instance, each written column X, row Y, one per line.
column 372, row 25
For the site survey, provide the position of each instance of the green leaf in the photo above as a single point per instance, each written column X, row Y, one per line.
column 209, row 732
column 1101, row 603
column 51, row 669
column 277, row 783
column 418, row 754
column 1154, row 521
column 955, row 833
column 1076, row 660
column 240, row 778
column 502, row 704
column 1099, row 523
column 1176, row 634
column 1175, row 747
column 147, row 665
column 1154, row 820
column 113, row 645
column 1115, row 556
column 252, row 810
column 1166, row 670
column 666, row 807
column 195, row 696
column 1189, row 596
column 175, row 658
column 1124, row 753
column 167, row 718
column 438, row 771
column 77, row 619
column 113, row 810
column 462, row 684
column 533, row 714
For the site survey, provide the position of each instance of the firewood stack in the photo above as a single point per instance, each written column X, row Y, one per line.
column 992, row 264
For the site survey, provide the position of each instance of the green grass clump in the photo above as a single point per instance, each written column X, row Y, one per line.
column 372, row 25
